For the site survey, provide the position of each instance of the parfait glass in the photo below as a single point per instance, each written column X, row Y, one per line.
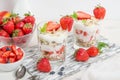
column 52, row 44
column 86, row 32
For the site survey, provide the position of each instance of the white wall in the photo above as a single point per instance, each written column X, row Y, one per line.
column 48, row 9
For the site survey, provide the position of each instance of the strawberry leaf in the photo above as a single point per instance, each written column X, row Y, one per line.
column 83, row 21
column 74, row 15
column 43, row 29
column 101, row 45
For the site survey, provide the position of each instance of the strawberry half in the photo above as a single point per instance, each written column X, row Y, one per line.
column 43, row 65
column 66, row 23
column 82, row 15
column 51, row 25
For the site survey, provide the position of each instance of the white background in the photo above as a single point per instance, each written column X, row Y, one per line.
column 45, row 9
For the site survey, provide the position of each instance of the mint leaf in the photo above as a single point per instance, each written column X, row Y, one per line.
column 101, row 45
column 43, row 29
column 83, row 21
column 74, row 15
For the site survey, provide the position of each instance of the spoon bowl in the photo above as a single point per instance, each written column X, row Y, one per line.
column 20, row 72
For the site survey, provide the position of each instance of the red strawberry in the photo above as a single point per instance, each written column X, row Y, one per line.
column 12, row 60
column 66, row 23
column 3, row 33
column 82, row 15
column 17, row 32
column 92, row 51
column 9, row 27
column 3, row 15
column 27, row 28
column 99, row 12
column 29, row 18
column 20, row 54
column 14, row 17
column 2, row 60
column 43, row 65
column 19, row 25
column 52, row 26
column 81, row 55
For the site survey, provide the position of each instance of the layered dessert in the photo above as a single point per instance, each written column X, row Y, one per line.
column 86, row 30
column 52, row 40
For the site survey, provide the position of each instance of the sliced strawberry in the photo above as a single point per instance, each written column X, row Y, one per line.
column 13, row 47
column 2, row 60
column 6, row 54
column 52, row 26
column 12, row 55
column 82, row 15
column 12, row 60
column 43, row 65
column 61, row 50
column 20, row 54
column 66, row 23
column 1, row 53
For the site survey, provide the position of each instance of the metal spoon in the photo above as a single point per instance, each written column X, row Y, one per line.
column 20, row 72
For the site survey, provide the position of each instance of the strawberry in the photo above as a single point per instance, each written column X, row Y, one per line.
column 15, row 17
column 3, row 33
column 81, row 55
column 82, row 15
column 99, row 12
column 9, row 27
column 43, row 65
column 29, row 18
column 3, row 15
column 2, row 60
column 17, row 32
column 52, row 26
column 27, row 28
column 20, row 54
column 92, row 51
column 19, row 25
column 66, row 23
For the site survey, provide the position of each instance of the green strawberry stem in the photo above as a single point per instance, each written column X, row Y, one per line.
column 74, row 15
column 43, row 28
column 101, row 45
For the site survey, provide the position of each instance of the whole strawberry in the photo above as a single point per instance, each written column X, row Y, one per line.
column 27, row 28
column 17, row 32
column 43, row 65
column 99, row 12
column 19, row 25
column 9, row 27
column 92, row 51
column 66, row 23
column 81, row 55
column 29, row 18
column 15, row 17
column 3, row 33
